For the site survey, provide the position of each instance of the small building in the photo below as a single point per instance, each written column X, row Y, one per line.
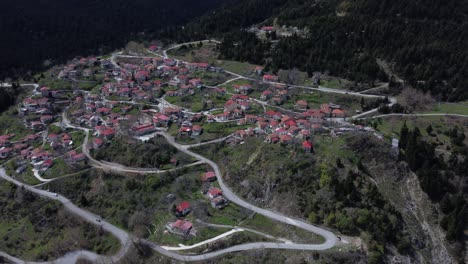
column 286, row 139
column 301, row 105
column 214, row 192
column 258, row 70
column 209, row 176
column 270, row 78
column 219, row 202
column 180, row 227
column 47, row 164
column 108, row 133
column 307, row 146
column 266, row 95
column 243, row 88
column 182, row 209
column 5, row 152
column 196, row 130
column 97, row 143
column 78, row 157
column 142, row 130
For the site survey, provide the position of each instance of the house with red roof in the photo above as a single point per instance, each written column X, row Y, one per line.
column 47, row 119
column 47, row 164
column 244, row 106
column 230, row 106
column 270, row 78
column 338, row 113
column 107, row 133
column 203, row 66
column 307, row 146
column 196, row 82
column 144, row 129
column 30, row 138
column 208, row 176
column 5, row 152
column 97, row 143
column 5, row 141
column 78, row 157
column 286, row 139
column 160, row 119
column 36, row 125
column 301, row 105
column 182, row 209
column 303, row 134
column 266, row 95
column 45, row 91
column 258, row 70
column 185, row 131
column 219, row 202
column 214, row 192
column 240, row 134
column 192, row 66
column 181, row 227
column 220, row 91
column 250, row 119
column 242, row 88
column 104, row 111
column 25, row 153
column 17, row 147
column 142, row 76
column 272, row 138
column 268, row 28
column 196, row 130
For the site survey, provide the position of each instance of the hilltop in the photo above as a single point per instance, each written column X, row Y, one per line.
column 423, row 42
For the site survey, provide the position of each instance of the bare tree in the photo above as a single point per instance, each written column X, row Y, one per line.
column 414, row 100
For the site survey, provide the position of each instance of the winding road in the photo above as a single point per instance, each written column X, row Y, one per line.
column 126, row 240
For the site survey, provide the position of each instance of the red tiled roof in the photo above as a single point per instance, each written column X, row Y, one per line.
column 182, row 206
column 307, row 144
column 182, row 225
column 215, row 191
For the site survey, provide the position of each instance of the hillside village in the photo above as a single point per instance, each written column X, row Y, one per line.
column 133, row 101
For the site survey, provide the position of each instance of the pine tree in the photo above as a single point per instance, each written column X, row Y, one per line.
column 429, row 129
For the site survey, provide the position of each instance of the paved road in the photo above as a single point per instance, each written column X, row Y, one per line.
column 126, row 240
column 187, row 43
column 245, row 229
column 434, row 114
column 71, row 257
column 330, row 238
column 208, row 241
column 393, row 100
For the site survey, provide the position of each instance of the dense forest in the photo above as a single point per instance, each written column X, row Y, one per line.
column 38, row 33
column 423, row 41
column 10, row 96
column 445, row 182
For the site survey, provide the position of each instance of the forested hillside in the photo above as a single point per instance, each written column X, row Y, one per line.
column 423, row 41
column 37, row 33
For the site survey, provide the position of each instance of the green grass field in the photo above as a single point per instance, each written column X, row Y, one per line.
column 460, row 108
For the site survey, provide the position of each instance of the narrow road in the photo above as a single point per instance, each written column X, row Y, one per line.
column 211, row 240
column 36, row 174
column 434, row 114
column 72, row 257
column 246, row 229
column 126, row 240
column 188, row 43
column 330, row 238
